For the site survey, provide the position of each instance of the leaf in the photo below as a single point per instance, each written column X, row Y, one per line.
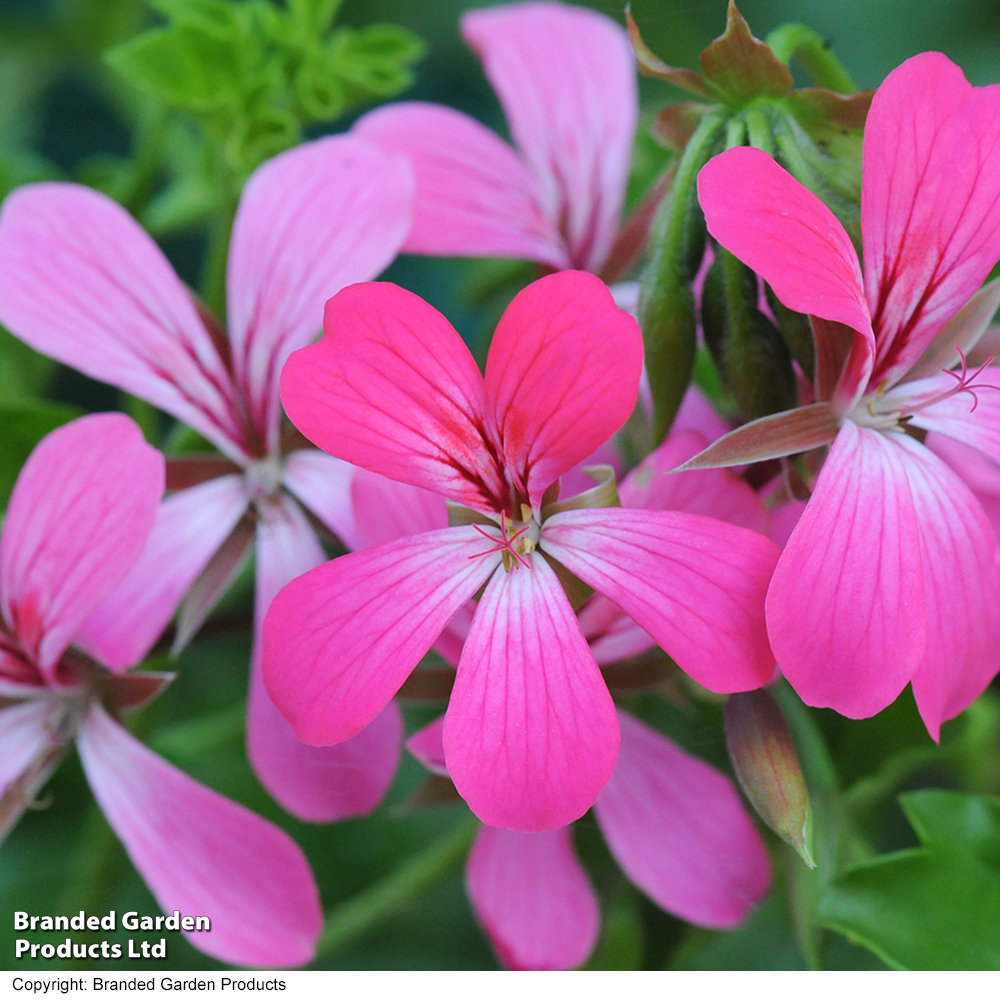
column 184, row 66
column 934, row 907
column 374, row 60
column 22, row 426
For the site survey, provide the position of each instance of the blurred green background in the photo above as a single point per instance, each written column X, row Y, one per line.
column 63, row 113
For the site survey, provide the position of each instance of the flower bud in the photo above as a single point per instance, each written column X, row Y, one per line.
column 767, row 767
column 748, row 350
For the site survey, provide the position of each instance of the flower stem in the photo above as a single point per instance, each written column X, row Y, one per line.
column 360, row 913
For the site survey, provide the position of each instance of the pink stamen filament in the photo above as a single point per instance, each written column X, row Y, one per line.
column 507, row 543
column 963, row 381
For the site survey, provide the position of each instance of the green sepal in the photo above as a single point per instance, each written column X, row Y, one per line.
column 743, row 67
column 603, row 494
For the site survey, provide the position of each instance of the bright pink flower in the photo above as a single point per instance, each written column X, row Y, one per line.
column 892, row 574
column 531, row 733
column 675, row 825
column 566, row 79
column 81, row 282
column 78, row 519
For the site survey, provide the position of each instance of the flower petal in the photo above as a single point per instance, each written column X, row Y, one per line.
column 678, row 828
column 960, row 558
column 930, row 203
column 561, row 346
column 82, row 282
column 24, row 734
column 971, row 417
column 979, row 473
column 475, row 196
column 844, row 611
column 201, row 853
column 533, row 898
column 960, row 334
column 190, row 527
column 316, row 784
column 391, row 387
column 79, row 517
column 323, row 484
column 654, row 485
column 321, row 216
column 530, row 735
column 427, row 745
column 386, row 510
column 695, row 584
column 341, row 639
column 759, row 212
column 575, row 126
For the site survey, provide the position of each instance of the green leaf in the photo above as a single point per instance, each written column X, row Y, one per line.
column 22, row 426
column 374, row 60
column 934, row 907
column 213, row 17
column 184, row 66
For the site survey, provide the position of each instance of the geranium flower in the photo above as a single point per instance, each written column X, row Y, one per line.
column 675, row 824
column 892, row 575
column 531, row 733
column 567, row 81
column 81, row 282
column 78, row 519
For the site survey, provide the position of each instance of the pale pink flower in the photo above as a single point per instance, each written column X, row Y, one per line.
column 566, row 79
column 531, row 733
column 892, row 575
column 675, row 824
column 78, row 519
column 82, row 282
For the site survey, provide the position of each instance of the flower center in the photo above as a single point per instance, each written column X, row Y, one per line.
column 517, row 539
column 887, row 412
column 263, row 477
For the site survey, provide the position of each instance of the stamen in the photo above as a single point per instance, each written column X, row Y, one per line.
column 963, row 381
column 506, row 545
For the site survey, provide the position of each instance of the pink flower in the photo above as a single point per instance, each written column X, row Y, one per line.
column 531, row 733
column 892, row 574
column 78, row 519
column 81, row 282
column 675, row 825
column 566, row 79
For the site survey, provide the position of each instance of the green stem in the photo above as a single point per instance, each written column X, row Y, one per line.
column 386, row 897
column 796, row 41
column 759, row 128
